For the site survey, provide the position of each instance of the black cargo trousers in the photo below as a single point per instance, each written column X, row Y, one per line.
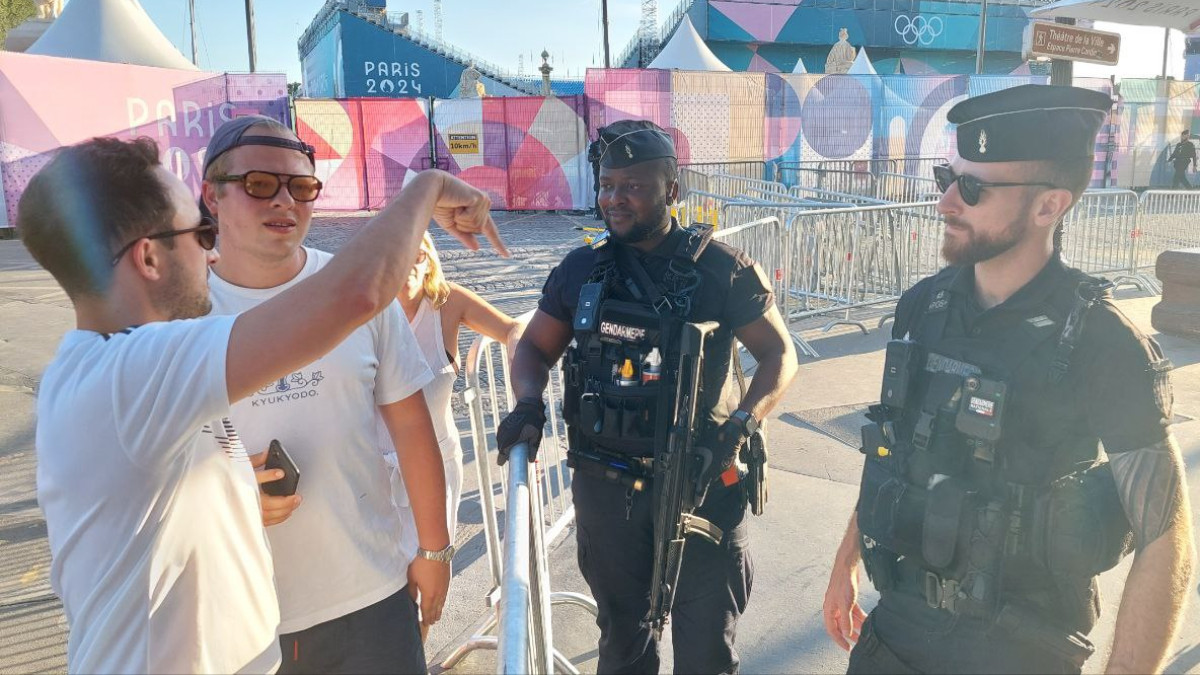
column 615, row 534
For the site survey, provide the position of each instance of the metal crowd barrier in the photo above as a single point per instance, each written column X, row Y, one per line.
column 1167, row 219
column 860, row 183
column 904, row 188
column 543, row 495
column 749, row 169
column 1099, row 233
column 691, row 180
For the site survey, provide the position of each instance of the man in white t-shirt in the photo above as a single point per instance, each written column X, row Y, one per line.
column 341, row 567
column 152, row 509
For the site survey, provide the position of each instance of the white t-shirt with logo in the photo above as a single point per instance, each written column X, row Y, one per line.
column 342, row 549
column 152, row 508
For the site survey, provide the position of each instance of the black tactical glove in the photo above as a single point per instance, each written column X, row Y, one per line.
column 522, row 425
column 724, row 447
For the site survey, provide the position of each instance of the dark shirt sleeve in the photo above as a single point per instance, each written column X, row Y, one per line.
column 1125, row 383
column 551, row 301
column 749, row 296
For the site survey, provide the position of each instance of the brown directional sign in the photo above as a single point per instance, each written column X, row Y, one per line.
column 1060, row 41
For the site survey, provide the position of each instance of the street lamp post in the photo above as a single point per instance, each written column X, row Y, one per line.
column 250, row 32
column 983, row 7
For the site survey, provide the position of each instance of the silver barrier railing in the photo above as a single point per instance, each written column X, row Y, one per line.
column 1099, row 234
column 839, row 199
column 1167, row 219
column 488, row 398
column 516, row 647
column 731, row 186
column 862, row 183
column 905, row 188
column 691, row 180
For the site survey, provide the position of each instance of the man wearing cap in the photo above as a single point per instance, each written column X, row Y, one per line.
column 1182, row 154
column 986, row 507
column 152, row 509
column 347, row 568
column 619, row 302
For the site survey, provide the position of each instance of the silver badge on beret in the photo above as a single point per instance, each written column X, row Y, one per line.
column 983, row 142
column 629, row 151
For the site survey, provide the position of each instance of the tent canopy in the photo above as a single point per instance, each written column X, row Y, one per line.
column 862, row 64
column 686, row 51
column 1182, row 15
column 116, row 31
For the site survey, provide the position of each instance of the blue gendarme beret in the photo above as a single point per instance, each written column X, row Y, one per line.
column 628, row 142
column 1030, row 122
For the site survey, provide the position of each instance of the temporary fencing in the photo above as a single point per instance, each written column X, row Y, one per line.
column 537, row 512
column 1167, row 219
column 1100, row 231
column 903, row 188
column 834, row 180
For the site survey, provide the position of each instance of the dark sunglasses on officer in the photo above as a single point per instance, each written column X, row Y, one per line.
column 971, row 188
column 266, row 184
column 206, row 235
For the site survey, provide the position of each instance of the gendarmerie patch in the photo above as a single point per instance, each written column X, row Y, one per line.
column 622, row 332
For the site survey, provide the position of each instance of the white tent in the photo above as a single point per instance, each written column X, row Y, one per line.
column 116, row 31
column 799, row 69
column 862, row 64
column 686, row 51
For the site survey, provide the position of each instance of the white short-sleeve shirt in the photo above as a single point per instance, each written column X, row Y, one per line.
column 342, row 549
column 152, row 508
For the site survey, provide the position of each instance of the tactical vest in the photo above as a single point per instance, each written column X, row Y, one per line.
column 954, row 503
column 615, row 397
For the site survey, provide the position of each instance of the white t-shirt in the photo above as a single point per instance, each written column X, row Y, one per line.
column 152, row 508
column 339, row 551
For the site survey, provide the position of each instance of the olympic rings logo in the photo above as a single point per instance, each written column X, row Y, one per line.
column 918, row 29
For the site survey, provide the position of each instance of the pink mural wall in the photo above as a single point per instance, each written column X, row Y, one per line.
column 178, row 109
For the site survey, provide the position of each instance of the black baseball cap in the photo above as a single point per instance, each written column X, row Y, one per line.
column 232, row 134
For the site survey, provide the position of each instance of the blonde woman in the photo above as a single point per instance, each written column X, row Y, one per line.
column 436, row 309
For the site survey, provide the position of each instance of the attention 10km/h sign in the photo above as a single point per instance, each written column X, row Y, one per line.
column 1061, row 41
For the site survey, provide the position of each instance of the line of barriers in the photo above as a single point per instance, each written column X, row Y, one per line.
column 537, row 510
column 827, row 258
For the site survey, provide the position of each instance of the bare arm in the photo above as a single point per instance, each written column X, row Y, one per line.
column 304, row 322
column 544, row 341
column 480, row 316
column 412, row 433
column 767, row 340
column 842, row 615
column 1152, row 487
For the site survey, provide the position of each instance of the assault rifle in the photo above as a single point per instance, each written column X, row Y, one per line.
column 678, row 488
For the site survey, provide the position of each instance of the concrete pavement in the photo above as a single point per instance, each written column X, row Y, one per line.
column 814, row 475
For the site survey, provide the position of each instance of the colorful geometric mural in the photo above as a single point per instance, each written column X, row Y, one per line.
column 526, row 152
column 178, row 109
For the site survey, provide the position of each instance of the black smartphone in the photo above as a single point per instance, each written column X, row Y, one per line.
column 277, row 458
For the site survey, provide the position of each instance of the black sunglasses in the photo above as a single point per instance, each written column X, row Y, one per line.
column 206, row 235
column 265, row 185
column 970, row 187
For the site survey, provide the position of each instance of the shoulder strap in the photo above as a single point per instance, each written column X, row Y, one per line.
column 1088, row 294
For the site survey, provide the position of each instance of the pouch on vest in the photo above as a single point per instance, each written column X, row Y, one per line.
column 890, row 511
column 945, row 506
column 1079, row 527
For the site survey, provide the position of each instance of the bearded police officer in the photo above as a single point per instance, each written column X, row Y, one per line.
column 986, row 507
column 620, row 302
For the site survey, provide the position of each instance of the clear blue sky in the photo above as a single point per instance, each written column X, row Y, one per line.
column 499, row 30
column 496, row 30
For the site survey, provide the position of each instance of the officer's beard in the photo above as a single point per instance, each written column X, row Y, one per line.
column 970, row 246
column 645, row 228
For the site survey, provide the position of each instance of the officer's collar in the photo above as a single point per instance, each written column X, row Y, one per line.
column 1030, row 295
column 670, row 243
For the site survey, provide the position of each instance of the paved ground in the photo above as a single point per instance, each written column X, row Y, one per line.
column 814, row 475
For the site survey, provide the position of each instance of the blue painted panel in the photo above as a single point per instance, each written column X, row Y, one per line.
column 381, row 63
column 902, row 24
column 321, row 68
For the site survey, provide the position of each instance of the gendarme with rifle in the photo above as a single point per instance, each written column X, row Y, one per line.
column 646, row 317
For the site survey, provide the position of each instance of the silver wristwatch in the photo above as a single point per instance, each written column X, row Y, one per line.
column 443, row 556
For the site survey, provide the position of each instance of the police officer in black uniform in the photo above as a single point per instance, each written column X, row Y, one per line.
column 649, row 273
column 1182, row 154
column 986, row 507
